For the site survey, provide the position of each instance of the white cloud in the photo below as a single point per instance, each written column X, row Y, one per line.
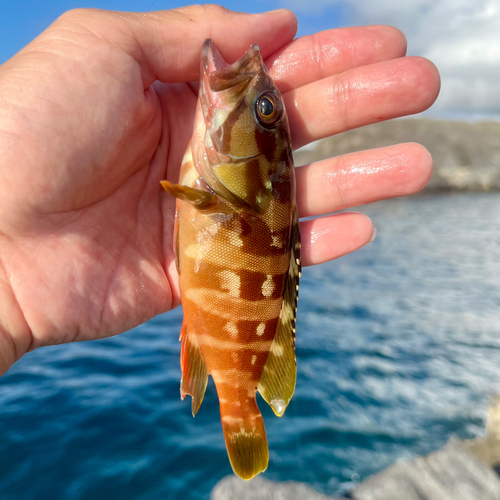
column 462, row 37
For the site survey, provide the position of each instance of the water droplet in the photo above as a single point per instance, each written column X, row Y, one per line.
column 278, row 406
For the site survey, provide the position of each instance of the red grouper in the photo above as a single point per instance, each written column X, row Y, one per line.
column 237, row 246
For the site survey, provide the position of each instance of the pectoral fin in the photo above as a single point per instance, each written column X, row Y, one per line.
column 277, row 382
column 203, row 201
column 198, row 198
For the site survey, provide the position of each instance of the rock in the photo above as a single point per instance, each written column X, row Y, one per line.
column 461, row 470
column 466, row 155
column 232, row 487
column 451, row 473
column 487, row 448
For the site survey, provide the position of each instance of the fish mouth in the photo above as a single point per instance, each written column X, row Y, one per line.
column 223, row 86
column 223, row 76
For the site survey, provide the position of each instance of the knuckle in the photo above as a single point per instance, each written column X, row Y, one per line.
column 343, row 101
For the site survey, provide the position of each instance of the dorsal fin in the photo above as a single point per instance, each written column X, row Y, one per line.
column 277, row 382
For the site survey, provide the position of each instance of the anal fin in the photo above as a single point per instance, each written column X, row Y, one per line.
column 277, row 383
column 194, row 369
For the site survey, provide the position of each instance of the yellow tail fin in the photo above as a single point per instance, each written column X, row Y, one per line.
column 246, row 440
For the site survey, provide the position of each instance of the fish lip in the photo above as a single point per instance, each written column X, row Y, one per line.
column 211, row 59
column 223, row 76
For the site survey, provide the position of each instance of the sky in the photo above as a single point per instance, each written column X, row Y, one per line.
column 462, row 37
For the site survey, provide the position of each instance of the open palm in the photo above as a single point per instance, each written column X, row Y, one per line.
column 99, row 108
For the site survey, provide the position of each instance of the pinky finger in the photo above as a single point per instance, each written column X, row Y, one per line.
column 330, row 237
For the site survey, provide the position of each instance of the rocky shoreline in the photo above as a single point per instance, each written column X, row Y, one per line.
column 461, row 470
column 466, row 155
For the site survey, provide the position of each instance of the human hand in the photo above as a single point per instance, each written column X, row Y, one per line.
column 99, row 108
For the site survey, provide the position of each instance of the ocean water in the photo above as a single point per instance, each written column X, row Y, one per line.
column 398, row 349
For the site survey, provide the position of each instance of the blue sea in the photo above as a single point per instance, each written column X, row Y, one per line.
column 398, row 349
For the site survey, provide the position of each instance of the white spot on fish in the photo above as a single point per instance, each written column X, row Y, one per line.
column 230, row 281
column 254, row 359
column 231, row 327
column 277, row 242
column 260, row 329
column 231, row 419
column 235, row 239
column 268, row 286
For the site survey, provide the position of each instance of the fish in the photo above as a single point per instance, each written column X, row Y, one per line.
column 237, row 247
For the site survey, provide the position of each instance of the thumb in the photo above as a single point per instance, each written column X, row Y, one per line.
column 167, row 44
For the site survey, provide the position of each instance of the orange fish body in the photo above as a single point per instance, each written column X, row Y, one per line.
column 237, row 247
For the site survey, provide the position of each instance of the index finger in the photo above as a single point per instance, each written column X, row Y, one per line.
column 331, row 52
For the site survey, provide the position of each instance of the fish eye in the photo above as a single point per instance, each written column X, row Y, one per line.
column 269, row 109
column 266, row 107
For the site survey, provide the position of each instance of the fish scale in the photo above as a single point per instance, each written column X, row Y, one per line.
column 238, row 252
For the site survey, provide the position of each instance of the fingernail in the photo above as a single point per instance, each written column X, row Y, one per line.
column 276, row 11
column 374, row 235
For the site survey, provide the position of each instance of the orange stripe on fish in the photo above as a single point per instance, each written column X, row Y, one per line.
column 238, row 252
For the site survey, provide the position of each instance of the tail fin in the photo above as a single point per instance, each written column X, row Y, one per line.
column 246, row 440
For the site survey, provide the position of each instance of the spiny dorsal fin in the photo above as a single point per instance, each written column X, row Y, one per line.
column 194, row 369
column 277, row 383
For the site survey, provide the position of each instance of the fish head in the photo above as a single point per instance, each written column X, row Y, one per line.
column 246, row 144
